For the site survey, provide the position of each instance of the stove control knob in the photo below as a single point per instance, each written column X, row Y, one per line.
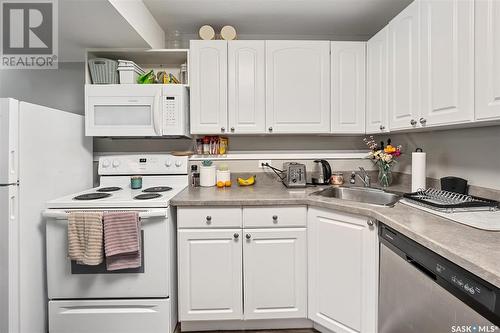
column 178, row 163
column 105, row 163
column 116, row 164
column 168, row 163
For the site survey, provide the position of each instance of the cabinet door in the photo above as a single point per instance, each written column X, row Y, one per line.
column 487, row 59
column 210, row 274
column 275, row 280
column 377, row 117
column 343, row 271
column 404, row 68
column 348, row 87
column 298, row 86
column 447, row 62
column 246, row 86
column 208, row 66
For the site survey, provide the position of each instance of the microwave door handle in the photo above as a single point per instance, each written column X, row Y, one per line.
column 157, row 115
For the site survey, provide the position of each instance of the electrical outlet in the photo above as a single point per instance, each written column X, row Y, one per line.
column 263, row 162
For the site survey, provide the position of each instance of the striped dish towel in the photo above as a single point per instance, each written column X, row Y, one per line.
column 122, row 240
column 85, row 237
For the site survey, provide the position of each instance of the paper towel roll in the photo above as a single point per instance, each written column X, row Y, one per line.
column 418, row 172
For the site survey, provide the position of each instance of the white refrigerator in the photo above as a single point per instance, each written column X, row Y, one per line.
column 44, row 154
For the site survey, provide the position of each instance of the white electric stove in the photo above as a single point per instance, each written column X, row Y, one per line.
column 89, row 299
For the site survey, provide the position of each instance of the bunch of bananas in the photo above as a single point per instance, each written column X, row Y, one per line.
column 246, row 182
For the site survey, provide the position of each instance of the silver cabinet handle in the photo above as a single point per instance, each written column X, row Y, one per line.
column 236, row 235
column 222, row 129
column 209, row 219
column 275, row 218
column 382, row 127
column 248, row 236
column 270, row 129
column 423, row 121
column 232, row 129
column 370, row 223
column 413, row 122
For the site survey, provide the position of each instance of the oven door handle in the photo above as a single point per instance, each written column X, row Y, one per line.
column 63, row 215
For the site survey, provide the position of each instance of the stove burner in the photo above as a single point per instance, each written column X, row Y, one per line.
column 109, row 189
column 157, row 189
column 147, row 196
column 92, row 196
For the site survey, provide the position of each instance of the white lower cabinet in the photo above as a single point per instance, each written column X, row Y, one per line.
column 210, row 274
column 242, row 273
column 342, row 276
column 275, row 277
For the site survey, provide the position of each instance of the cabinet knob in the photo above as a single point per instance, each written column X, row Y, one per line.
column 232, row 129
column 248, row 236
column 275, row 218
column 413, row 122
column 370, row 223
column 222, row 129
column 236, row 235
column 209, row 219
column 382, row 127
column 270, row 129
column 423, row 121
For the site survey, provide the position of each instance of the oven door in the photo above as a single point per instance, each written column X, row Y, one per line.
column 68, row 280
column 121, row 110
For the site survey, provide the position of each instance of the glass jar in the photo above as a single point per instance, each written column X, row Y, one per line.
column 337, row 178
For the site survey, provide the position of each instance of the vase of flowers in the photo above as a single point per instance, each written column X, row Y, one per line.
column 384, row 156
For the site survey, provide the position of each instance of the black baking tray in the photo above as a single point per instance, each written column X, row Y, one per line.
column 477, row 202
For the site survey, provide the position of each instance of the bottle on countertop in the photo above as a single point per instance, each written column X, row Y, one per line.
column 195, row 176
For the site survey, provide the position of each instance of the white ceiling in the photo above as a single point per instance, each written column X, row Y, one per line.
column 291, row 19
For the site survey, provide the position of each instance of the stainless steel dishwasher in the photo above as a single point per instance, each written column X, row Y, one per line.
column 422, row 292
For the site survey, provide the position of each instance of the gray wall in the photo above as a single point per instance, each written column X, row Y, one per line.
column 472, row 153
column 60, row 88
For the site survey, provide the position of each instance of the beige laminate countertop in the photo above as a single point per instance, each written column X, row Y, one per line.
column 477, row 251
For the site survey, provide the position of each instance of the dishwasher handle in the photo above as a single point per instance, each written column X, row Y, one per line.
column 420, row 267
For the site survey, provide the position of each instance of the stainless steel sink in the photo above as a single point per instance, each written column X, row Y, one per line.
column 360, row 194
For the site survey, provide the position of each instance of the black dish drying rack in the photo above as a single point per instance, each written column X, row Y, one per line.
column 450, row 202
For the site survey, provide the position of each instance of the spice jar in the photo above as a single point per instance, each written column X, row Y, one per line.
column 337, row 178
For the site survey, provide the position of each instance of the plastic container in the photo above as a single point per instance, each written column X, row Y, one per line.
column 103, row 71
column 223, row 175
column 207, row 176
column 129, row 71
column 128, row 75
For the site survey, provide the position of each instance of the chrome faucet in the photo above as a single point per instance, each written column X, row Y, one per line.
column 365, row 178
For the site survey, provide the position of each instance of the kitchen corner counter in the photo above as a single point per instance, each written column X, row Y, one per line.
column 477, row 251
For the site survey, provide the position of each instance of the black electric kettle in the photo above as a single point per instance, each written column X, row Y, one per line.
column 325, row 172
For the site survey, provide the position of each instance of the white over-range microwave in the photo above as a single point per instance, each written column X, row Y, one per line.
column 136, row 110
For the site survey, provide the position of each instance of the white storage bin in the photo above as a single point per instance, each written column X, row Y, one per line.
column 128, row 75
column 129, row 71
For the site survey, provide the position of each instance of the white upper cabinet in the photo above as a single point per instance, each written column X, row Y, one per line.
column 298, row 86
column 404, row 68
column 246, row 86
column 275, row 278
column 343, row 271
column 210, row 274
column 208, row 63
column 348, row 87
column 487, row 34
column 377, row 116
column 447, row 62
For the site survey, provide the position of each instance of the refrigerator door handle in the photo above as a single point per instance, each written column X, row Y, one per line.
column 9, row 184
